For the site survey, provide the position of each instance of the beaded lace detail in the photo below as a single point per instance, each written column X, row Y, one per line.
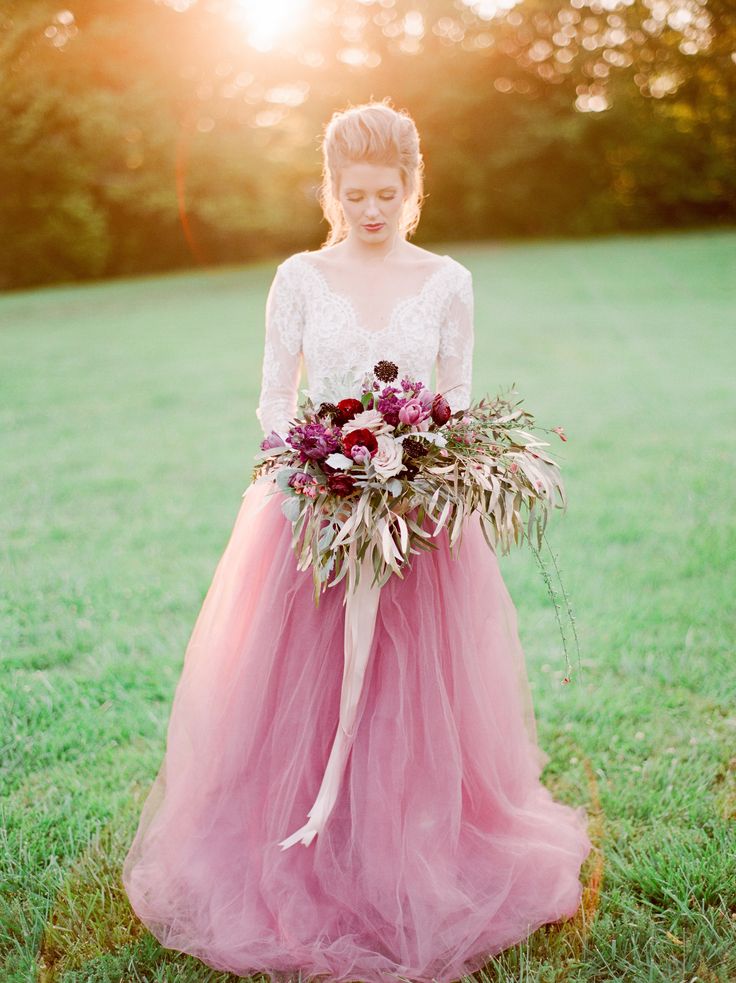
column 309, row 324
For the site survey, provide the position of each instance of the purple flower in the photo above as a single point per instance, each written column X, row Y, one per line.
column 300, row 479
column 314, row 442
column 389, row 404
column 413, row 386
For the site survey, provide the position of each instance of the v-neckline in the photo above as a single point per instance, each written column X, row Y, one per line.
column 350, row 307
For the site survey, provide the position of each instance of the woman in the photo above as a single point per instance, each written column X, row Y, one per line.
column 442, row 847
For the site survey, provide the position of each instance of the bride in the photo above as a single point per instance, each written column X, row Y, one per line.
column 442, row 846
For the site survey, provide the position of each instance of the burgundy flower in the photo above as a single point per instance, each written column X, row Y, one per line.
column 441, row 411
column 385, row 370
column 346, row 410
column 362, row 436
column 340, row 483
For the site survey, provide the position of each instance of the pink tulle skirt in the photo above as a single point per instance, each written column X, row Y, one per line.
column 443, row 847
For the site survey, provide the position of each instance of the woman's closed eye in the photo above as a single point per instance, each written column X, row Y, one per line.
column 382, row 197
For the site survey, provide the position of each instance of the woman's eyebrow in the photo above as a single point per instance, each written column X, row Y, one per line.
column 391, row 187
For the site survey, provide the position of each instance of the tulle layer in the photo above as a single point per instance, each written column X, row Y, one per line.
column 443, row 847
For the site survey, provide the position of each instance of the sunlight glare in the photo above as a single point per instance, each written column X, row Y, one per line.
column 488, row 9
column 266, row 20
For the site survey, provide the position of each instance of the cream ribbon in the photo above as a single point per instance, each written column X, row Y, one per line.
column 361, row 607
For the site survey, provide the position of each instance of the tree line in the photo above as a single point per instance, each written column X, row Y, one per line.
column 148, row 135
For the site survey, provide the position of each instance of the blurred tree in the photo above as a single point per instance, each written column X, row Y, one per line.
column 140, row 135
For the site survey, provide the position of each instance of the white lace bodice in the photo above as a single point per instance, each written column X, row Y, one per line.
column 309, row 322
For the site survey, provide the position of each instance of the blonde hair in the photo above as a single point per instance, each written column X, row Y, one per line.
column 374, row 133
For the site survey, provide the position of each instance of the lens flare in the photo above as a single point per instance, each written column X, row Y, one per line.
column 266, row 21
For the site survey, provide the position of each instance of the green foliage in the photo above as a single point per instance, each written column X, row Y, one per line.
column 135, row 137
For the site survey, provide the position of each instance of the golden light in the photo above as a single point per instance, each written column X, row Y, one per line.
column 488, row 9
column 266, row 21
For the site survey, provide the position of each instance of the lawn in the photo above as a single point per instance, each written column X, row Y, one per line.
column 127, row 429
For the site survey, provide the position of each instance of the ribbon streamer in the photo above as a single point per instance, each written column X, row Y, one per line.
column 361, row 607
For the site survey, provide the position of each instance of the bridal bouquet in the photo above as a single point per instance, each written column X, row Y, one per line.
column 364, row 474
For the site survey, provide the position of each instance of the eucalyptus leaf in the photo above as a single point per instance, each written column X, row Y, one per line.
column 291, row 507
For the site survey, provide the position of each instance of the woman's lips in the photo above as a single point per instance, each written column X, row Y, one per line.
column 374, row 228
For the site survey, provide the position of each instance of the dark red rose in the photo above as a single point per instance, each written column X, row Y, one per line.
column 441, row 411
column 347, row 409
column 340, row 483
column 363, row 436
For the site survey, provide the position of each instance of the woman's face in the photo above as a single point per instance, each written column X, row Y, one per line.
column 371, row 196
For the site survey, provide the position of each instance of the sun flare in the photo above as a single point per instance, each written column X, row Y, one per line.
column 265, row 21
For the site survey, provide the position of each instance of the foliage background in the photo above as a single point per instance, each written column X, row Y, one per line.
column 138, row 136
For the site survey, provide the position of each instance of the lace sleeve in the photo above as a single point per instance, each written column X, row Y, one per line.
column 457, row 336
column 282, row 353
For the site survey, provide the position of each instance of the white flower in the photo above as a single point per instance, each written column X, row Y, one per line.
column 370, row 420
column 387, row 459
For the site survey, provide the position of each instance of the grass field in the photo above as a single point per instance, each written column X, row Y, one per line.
column 127, row 428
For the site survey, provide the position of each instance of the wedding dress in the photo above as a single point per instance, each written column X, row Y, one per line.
column 443, row 846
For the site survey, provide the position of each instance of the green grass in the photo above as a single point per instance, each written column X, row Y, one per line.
column 127, row 428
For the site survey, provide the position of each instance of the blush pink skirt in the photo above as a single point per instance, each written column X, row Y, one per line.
column 443, row 847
